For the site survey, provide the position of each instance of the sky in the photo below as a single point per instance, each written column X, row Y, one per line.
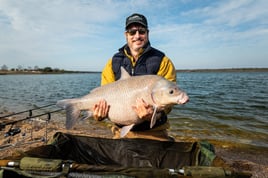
column 83, row 34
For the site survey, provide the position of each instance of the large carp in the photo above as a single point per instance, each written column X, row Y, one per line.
column 121, row 95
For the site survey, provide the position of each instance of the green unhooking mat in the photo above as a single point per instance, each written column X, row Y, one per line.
column 80, row 156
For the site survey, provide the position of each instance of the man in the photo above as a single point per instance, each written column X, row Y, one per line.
column 138, row 58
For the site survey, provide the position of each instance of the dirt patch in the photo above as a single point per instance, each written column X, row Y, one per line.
column 246, row 159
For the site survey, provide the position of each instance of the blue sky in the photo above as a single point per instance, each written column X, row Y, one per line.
column 84, row 34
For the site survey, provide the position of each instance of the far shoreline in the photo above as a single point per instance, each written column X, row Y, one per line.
column 225, row 70
column 177, row 70
column 41, row 73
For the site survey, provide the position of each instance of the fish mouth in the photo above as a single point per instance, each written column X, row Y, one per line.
column 183, row 100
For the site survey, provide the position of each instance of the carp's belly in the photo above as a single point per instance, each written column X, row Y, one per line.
column 123, row 117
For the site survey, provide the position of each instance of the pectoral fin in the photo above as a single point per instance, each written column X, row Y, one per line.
column 125, row 130
column 153, row 119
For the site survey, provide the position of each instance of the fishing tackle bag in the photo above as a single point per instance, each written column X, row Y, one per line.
column 83, row 156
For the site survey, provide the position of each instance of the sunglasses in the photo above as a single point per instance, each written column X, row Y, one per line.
column 141, row 31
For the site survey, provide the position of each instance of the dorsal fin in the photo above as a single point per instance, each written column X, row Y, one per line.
column 124, row 73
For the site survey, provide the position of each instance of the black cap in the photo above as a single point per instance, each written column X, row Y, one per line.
column 137, row 18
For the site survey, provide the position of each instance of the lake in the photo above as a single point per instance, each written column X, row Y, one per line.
column 224, row 106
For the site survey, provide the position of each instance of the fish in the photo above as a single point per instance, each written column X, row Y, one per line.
column 121, row 95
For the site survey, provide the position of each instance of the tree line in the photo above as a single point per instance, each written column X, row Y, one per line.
column 4, row 68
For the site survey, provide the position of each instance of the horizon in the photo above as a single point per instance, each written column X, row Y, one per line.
column 99, row 71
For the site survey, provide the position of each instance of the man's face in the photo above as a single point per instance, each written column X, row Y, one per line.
column 136, row 36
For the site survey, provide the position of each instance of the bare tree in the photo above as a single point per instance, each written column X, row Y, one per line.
column 20, row 68
column 4, row 67
column 36, row 68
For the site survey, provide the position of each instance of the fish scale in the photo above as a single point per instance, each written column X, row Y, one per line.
column 121, row 96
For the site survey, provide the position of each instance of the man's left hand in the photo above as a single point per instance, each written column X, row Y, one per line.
column 143, row 109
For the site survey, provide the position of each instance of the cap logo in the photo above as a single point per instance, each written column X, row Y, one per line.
column 135, row 18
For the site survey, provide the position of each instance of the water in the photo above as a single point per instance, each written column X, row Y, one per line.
column 227, row 107
column 231, row 107
column 20, row 92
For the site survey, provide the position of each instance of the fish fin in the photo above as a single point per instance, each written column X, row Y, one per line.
column 124, row 73
column 125, row 130
column 153, row 119
column 86, row 115
column 72, row 115
column 62, row 103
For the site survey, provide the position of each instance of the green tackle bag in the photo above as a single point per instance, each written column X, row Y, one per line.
column 126, row 152
column 81, row 156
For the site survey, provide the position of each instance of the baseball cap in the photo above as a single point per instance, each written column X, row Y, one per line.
column 136, row 18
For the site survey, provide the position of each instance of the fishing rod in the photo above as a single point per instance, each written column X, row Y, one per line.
column 30, row 111
column 2, row 125
column 14, row 131
column 52, row 168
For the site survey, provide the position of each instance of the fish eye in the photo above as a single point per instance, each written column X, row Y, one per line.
column 171, row 91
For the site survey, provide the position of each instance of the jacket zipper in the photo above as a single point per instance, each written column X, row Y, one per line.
column 132, row 71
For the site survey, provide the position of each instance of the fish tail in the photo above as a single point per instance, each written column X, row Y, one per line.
column 63, row 103
column 72, row 115
column 72, row 112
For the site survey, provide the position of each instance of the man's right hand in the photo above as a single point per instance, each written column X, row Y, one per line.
column 100, row 110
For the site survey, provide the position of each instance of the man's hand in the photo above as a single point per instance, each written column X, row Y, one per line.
column 143, row 109
column 100, row 110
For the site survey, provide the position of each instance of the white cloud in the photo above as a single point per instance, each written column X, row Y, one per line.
column 84, row 34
